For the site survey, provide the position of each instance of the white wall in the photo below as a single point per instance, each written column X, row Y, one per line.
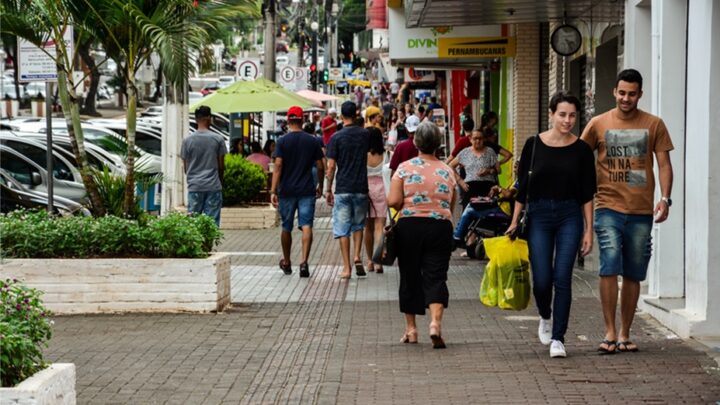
column 638, row 36
column 666, row 275
column 689, row 240
column 703, row 184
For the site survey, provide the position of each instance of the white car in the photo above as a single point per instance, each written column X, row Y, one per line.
column 34, row 89
column 194, row 97
column 225, row 81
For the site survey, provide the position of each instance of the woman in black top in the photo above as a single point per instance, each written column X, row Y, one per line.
column 558, row 190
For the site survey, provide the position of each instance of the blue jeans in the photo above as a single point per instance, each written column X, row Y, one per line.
column 349, row 214
column 625, row 243
column 555, row 229
column 305, row 207
column 205, row 202
column 468, row 216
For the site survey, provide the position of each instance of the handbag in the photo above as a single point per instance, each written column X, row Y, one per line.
column 386, row 251
column 522, row 228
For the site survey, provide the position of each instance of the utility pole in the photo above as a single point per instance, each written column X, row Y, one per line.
column 270, row 17
column 301, row 34
column 269, row 64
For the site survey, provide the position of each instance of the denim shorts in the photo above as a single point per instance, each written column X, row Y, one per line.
column 305, row 207
column 349, row 214
column 625, row 243
column 205, row 202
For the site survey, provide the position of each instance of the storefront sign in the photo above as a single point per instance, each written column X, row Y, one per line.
column 488, row 47
column 418, row 44
column 417, row 75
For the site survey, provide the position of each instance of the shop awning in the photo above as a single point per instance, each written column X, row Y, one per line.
column 435, row 13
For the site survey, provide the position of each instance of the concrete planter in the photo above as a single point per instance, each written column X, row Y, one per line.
column 54, row 385
column 74, row 286
column 37, row 108
column 9, row 108
column 260, row 216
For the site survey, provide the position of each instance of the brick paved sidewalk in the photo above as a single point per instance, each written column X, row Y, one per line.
column 323, row 340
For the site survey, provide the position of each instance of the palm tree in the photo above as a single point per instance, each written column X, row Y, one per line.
column 135, row 28
column 38, row 21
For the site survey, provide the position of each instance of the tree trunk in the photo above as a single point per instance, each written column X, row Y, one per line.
column 72, row 118
column 158, row 84
column 131, row 125
column 90, row 106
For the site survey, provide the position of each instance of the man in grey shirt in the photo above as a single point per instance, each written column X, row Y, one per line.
column 203, row 155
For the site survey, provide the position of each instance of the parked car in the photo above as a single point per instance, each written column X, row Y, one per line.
column 282, row 60
column 35, row 178
column 37, row 152
column 210, row 88
column 35, row 89
column 97, row 157
column 225, row 81
column 7, row 89
column 14, row 196
column 230, row 64
column 281, row 47
column 194, row 97
column 147, row 139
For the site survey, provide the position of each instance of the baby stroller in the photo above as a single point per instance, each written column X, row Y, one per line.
column 493, row 224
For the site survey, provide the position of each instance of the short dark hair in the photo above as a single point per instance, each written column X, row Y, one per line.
column 255, row 147
column 203, row 112
column 375, row 139
column 563, row 97
column 348, row 109
column 468, row 125
column 485, row 119
column 421, row 109
column 630, row 76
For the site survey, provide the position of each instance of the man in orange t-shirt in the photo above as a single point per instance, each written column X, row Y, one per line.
column 626, row 139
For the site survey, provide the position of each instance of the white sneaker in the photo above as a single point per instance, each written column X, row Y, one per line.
column 557, row 349
column 545, row 331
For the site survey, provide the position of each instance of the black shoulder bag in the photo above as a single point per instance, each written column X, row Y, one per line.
column 386, row 252
column 522, row 229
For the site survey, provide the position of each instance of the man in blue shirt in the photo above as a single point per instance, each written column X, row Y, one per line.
column 347, row 153
column 293, row 187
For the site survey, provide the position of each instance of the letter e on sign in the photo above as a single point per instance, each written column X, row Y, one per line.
column 248, row 70
column 287, row 74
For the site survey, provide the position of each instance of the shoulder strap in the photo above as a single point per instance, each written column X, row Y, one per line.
column 530, row 170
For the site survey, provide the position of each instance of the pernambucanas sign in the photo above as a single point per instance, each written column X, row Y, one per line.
column 488, row 47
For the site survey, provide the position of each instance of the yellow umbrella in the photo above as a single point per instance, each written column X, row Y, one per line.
column 252, row 96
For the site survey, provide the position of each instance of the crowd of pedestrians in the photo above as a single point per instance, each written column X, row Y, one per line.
column 565, row 193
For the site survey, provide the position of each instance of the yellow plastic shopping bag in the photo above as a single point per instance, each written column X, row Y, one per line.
column 509, row 258
column 488, row 286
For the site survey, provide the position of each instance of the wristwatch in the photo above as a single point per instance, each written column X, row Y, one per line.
column 667, row 201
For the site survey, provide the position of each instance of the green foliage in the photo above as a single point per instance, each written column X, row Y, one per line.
column 35, row 234
column 25, row 328
column 243, row 180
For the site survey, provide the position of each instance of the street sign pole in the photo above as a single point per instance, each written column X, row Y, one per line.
column 48, row 124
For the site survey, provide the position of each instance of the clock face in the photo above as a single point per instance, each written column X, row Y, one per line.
column 566, row 40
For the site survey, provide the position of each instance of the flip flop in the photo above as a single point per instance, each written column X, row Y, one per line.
column 609, row 343
column 359, row 269
column 624, row 346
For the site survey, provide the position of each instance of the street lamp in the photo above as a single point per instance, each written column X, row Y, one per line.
column 314, row 26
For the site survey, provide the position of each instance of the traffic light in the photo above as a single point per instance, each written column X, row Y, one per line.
column 313, row 76
column 325, row 75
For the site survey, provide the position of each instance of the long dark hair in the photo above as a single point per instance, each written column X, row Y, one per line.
column 375, row 139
